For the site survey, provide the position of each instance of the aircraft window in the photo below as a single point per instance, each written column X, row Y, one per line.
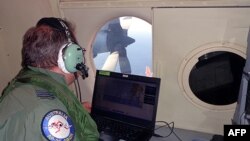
column 216, row 77
column 124, row 45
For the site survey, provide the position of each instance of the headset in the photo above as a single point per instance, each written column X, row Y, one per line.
column 71, row 56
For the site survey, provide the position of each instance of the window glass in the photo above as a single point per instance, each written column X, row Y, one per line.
column 124, row 45
column 216, row 77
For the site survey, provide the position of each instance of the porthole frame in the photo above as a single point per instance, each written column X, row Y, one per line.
column 192, row 58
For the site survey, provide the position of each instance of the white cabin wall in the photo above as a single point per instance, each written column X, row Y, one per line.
column 4, row 63
column 16, row 16
column 178, row 33
column 89, row 16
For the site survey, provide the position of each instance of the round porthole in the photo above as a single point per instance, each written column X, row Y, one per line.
column 210, row 75
column 124, row 44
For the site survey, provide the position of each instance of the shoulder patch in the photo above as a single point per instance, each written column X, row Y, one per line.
column 44, row 94
column 57, row 126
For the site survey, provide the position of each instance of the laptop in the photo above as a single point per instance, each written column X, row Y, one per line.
column 124, row 106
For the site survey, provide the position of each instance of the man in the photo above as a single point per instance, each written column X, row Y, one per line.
column 37, row 104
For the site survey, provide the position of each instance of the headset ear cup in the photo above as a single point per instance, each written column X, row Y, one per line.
column 73, row 55
column 60, row 60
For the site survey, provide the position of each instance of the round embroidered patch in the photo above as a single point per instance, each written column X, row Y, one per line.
column 58, row 126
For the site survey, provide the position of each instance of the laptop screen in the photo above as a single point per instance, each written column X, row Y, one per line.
column 128, row 98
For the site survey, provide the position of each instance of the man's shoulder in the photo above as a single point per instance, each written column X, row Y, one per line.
column 29, row 93
column 27, row 97
column 28, row 100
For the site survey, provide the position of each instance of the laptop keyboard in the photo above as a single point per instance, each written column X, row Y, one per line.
column 117, row 129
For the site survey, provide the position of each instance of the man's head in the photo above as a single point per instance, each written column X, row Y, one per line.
column 52, row 45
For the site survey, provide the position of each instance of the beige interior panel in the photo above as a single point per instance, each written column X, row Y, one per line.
column 16, row 18
column 180, row 34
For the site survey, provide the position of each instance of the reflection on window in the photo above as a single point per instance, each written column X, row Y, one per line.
column 124, row 45
column 216, row 78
